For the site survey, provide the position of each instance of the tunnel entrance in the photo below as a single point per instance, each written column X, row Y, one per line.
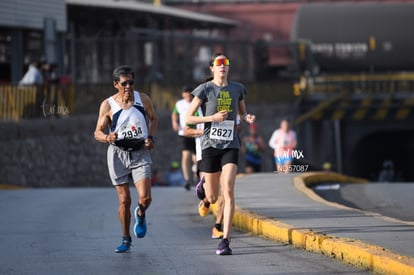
column 371, row 152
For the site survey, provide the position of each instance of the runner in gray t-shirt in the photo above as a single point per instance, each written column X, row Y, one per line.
column 221, row 101
column 215, row 99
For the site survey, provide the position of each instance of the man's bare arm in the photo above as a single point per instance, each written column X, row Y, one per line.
column 151, row 114
column 103, row 123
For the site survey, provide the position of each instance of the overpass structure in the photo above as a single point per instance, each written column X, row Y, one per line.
column 357, row 122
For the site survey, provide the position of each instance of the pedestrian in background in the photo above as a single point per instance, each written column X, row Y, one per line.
column 174, row 176
column 252, row 147
column 188, row 143
column 33, row 75
column 387, row 173
column 127, row 122
column 283, row 142
column 221, row 101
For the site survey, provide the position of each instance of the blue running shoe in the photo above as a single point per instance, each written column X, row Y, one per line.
column 224, row 248
column 124, row 247
column 140, row 227
column 200, row 189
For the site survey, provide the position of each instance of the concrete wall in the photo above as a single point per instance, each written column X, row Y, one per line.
column 52, row 152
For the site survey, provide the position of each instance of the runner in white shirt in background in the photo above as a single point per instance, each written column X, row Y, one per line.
column 188, row 144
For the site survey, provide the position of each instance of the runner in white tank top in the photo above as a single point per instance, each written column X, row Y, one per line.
column 132, row 122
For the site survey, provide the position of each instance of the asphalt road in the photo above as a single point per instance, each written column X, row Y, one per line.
column 75, row 231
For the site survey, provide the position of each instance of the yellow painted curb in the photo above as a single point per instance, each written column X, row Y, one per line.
column 357, row 253
column 365, row 256
column 11, row 187
column 318, row 177
column 303, row 181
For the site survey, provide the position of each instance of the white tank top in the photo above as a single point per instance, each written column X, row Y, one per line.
column 130, row 123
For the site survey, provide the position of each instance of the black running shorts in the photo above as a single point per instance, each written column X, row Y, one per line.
column 214, row 159
column 188, row 144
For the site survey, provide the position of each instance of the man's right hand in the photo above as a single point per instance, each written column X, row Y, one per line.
column 112, row 136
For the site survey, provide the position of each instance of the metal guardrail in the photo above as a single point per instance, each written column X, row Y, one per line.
column 17, row 102
column 14, row 99
column 357, row 97
column 355, row 83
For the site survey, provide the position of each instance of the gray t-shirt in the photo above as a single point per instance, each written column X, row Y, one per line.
column 215, row 99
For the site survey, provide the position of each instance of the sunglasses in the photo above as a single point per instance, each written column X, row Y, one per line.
column 126, row 82
column 221, row 61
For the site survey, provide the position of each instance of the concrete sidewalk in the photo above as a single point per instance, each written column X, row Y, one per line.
column 282, row 208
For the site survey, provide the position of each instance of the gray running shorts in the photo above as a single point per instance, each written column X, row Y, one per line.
column 128, row 166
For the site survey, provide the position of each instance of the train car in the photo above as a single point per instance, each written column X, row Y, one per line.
column 354, row 37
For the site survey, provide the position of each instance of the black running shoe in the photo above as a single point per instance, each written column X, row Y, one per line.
column 187, row 186
column 224, row 248
column 200, row 189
